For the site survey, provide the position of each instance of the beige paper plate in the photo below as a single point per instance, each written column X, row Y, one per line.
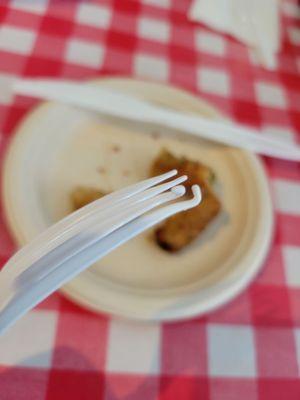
column 58, row 147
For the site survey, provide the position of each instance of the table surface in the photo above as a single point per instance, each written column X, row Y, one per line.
column 249, row 349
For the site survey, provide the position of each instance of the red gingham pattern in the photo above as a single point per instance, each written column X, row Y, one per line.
column 249, row 349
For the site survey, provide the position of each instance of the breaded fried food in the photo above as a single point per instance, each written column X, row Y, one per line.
column 181, row 229
column 83, row 195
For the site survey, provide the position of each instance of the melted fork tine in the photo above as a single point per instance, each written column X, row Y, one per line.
column 67, row 227
column 136, row 226
column 144, row 222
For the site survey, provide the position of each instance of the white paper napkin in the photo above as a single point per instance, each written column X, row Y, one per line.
column 254, row 22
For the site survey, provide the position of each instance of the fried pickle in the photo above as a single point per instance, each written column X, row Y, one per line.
column 181, row 229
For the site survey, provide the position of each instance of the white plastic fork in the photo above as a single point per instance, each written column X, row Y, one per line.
column 80, row 221
column 106, row 222
column 83, row 218
column 75, row 243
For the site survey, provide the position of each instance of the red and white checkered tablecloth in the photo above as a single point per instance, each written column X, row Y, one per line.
column 249, row 349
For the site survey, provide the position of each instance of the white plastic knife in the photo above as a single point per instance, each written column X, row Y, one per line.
column 123, row 105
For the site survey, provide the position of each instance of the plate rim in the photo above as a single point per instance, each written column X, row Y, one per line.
column 70, row 292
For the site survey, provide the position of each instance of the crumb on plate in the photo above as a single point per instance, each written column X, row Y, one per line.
column 81, row 196
column 116, row 148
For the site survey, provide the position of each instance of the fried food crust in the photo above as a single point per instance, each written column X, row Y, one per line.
column 181, row 229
